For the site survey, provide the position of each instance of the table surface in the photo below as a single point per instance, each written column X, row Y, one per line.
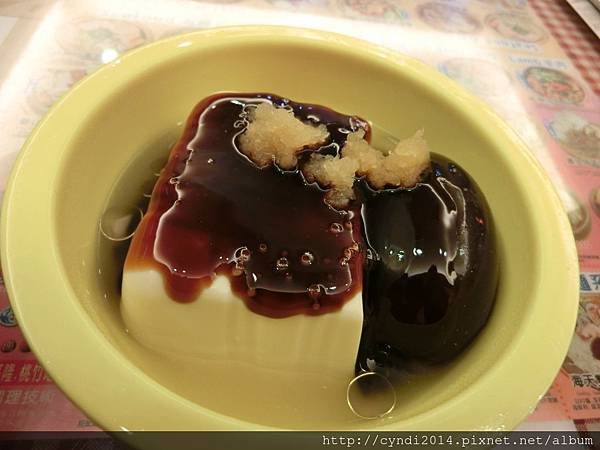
column 535, row 63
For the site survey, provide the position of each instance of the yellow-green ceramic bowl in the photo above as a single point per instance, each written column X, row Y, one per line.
column 66, row 170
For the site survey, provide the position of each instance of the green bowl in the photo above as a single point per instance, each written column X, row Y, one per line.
column 67, row 168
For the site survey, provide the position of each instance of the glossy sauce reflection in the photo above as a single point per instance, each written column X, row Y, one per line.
column 269, row 231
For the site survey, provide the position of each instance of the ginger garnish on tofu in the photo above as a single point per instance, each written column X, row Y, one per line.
column 401, row 167
column 275, row 135
column 335, row 173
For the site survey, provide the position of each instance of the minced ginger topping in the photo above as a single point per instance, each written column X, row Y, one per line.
column 401, row 167
column 333, row 172
column 275, row 135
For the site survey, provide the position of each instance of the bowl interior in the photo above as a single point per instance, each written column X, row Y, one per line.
column 144, row 112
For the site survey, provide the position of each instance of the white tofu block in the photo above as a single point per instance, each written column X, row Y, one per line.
column 218, row 325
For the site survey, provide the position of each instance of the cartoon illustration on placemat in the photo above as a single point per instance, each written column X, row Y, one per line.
column 479, row 76
column 577, row 212
column 553, row 85
column 8, row 346
column 576, row 135
column 7, row 317
column 373, row 10
column 443, row 16
column 584, row 352
column 44, row 90
column 100, row 40
column 514, row 26
column 24, row 347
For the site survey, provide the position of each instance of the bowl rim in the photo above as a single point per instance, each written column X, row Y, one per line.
column 19, row 247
